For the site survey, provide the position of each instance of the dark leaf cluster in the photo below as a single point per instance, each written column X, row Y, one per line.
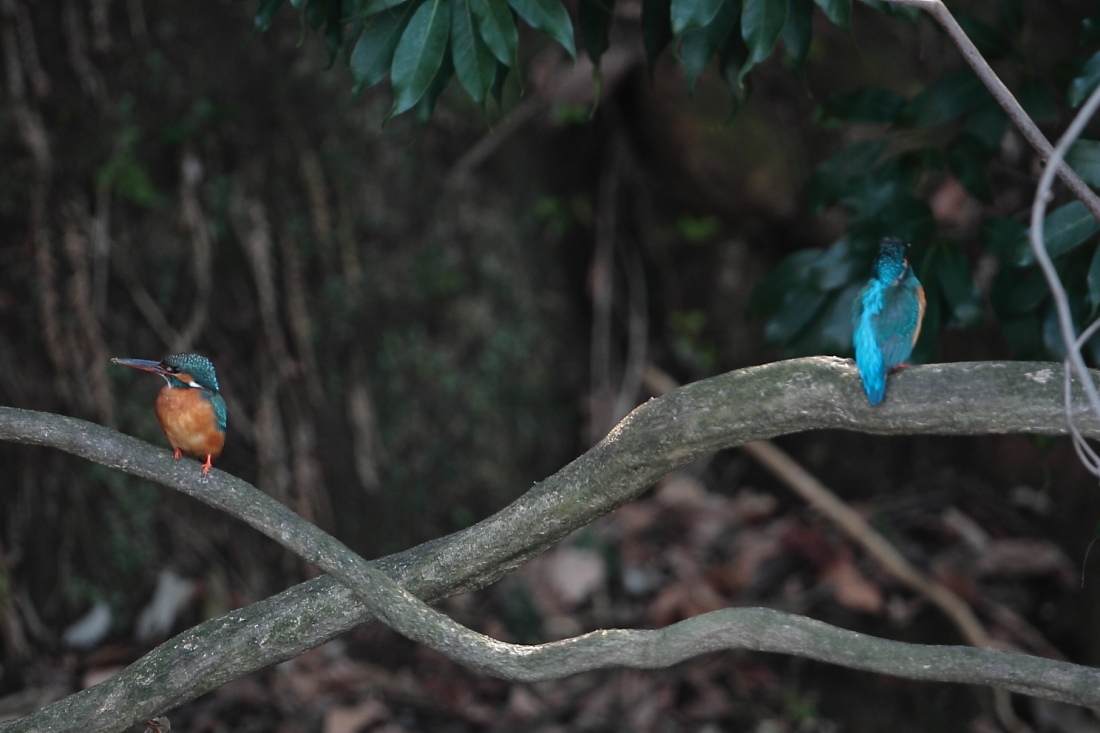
column 883, row 184
column 420, row 45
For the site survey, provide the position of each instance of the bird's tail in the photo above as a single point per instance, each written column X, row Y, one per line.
column 874, row 384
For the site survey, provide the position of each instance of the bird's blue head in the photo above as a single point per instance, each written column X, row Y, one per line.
column 179, row 370
column 200, row 368
column 892, row 262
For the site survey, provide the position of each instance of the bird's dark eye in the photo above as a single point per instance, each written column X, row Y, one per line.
column 171, row 368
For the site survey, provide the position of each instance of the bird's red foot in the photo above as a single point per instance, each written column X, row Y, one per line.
column 899, row 367
column 208, row 465
column 177, row 454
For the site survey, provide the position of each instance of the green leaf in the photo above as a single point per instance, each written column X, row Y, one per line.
column 377, row 6
column 791, row 273
column 798, row 30
column 834, row 330
column 594, row 18
column 957, row 285
column 899, row 11
column 550, row 17
column 656, row 29
column 832, row 177
column 1093, row 281
column 1084, row 158
column 820, row 334
column 798, row 309
column 699, row 44
column 837, row 11
column 498, row 29
column 1001, row 236
column 870, row 194
column 1065, row 228
column 1023, row 336
column 1018, row 291
column 761, row 22
column 1083, row 84
column 1038, row 101
column 688, row 14
column 731, row 56
column 316, row 11
column 904, row 216
column 474, row 64
column 426, row 105
column 373, row 53
column 128, row 178
column 334, row 31
column 1085, row 561
column 949, row 98
column 498, row 82
column 1052, row 334
column 419, row 55
column 967, row 159
column 265, row 15
column 847, row 260
column 991, row 42
column 987, row 125
column 869, row 104
column 917, row 162
column 1090, row 35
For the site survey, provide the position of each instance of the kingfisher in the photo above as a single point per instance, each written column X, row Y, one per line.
column 190, row 409
column 887, row 316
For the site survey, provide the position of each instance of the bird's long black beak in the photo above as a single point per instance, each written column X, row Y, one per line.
column 143, row 364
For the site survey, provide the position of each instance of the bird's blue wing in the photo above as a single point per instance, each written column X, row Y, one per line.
column 896, row 325
column 865, row 313
column 220, row 413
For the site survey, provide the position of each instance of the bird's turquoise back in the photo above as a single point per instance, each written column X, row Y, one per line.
column 886, row 317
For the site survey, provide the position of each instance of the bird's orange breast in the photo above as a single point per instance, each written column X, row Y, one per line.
column 189, row 422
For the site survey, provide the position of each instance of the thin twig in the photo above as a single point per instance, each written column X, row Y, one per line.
column 90, row 79
column 202, row 248
column 249, row 218
column 601, row 280
column 1038, row 246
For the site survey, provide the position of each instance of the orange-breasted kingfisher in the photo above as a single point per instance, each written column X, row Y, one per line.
column 886, row 315
column 189, row 408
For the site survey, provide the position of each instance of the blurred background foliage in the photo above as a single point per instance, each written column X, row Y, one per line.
column 415, row 316
column 905, row 144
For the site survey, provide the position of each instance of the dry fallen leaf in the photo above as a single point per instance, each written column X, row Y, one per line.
column 1016, row 557
column 679, row 489
column 575, row 574
column 852, row 589
column 352, row 718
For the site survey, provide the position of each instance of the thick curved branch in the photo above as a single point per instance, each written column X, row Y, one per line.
column 665, row 433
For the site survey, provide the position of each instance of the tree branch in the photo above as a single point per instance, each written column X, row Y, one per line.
column 725, row 411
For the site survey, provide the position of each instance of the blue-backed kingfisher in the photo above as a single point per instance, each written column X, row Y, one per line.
column 886, row 315
column 189, row 408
